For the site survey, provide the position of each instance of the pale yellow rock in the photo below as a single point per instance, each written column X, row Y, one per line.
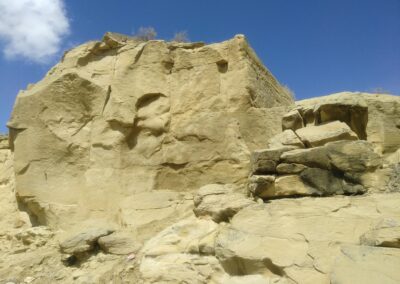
column 366, row 265
column 346, row 156
column 4, row 141
column 291, row 185
column 261, row 185
column 11, row 216
column 181, row 237
column 385, row 234
column 292, row 120
column 121, row 116
column 173, row 255
column 220, row 202
column 287, row 138
column 319, row 135
column 284, row 168
column 84, row 241
column 264, row 161
column 380, row 121
column 301, row 238
column 181, row 268
column 121, row 135
column 121, row 243
column 150, row 212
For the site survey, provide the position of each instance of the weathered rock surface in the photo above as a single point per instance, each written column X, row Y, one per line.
column 11, row 216
column 319, row 135
column 301, row 239
column 119, row 243
column 261, row 185
column 128, row 163
column 292, row 120
column 123, row 117
column 264, row 161
column 286, row 138
column 374, row 117
column 356, row 156
column 4, row 142
column 385, row 234
column 284, row 168
column 149, row 212
column 220, row 202
column 362, row 264
column 83, row 241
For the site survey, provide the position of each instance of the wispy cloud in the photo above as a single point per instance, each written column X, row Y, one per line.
column 32, row 29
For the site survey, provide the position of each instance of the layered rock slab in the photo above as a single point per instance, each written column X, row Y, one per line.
column 123, row 117
column 374, row 117
column 302, row 239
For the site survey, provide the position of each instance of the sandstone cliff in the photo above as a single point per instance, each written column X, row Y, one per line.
column 122, row 117
column 163, row 162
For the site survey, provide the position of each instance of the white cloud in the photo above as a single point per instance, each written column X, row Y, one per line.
column 32, row 29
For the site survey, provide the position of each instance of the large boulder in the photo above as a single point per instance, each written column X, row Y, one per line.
column 123, row 116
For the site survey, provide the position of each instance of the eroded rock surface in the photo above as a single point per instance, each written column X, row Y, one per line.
column 157, row 162
column 302, row 239
column 121, row 117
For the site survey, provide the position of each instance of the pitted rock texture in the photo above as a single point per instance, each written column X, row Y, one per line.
column 123, row 116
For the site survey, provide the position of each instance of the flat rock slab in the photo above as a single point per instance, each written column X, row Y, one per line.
column 286, row 138
column 264, row 161
column 303, row 239
column 366, row 265
column 120, row 243
column 84, row 241
column 386, row 234
column 319, row 135
column 345, row 156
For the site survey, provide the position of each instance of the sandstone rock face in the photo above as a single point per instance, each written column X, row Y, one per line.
column 374, row 117
column 322, row 155
column 120, row 117
column 11, row 216
column 340, row 167
column 156, row 162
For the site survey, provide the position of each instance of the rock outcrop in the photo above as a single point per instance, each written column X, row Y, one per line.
column 374, row 117
column 326, row 149
column 159, row 162
column 121, row 117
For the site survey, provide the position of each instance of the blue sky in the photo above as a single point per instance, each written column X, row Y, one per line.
column 315, row 47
